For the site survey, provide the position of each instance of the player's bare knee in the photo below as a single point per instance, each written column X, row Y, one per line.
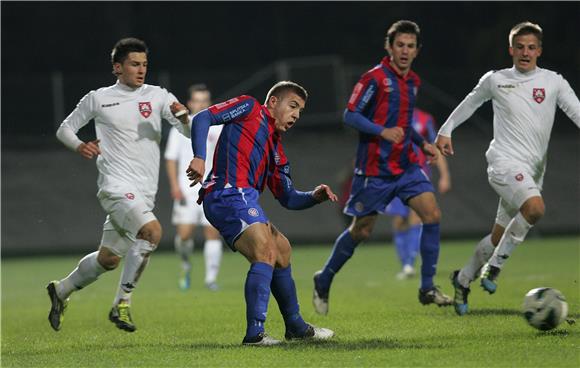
column 284, row 251
column 108, row 260
column 151, row 232
column 432, row 216
column 360, row 233
column 533, row 211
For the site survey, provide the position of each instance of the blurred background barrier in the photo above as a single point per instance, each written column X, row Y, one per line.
column 61, row 52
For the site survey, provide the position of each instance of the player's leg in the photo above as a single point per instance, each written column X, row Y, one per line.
column 515, row 232
column 237, row 215
column 257, row 245
column 400, row 215
column 212, row 252
column 520, row 191
column 425, row 205
column 344, row 246
column 87, row 271
column 183, row 217
column 136, row 261
column 284, row 290
column 415, row 228
column 184, row 245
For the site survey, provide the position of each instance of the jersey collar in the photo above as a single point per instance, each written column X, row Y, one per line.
column 125, row 88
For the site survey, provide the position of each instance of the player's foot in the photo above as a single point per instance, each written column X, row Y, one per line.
column 407, row 272
column 312, row 333
column 57, row 308
column 434, row 296
column 319, row 297
column 261, row 339
column 461, row 293
column 120, row 315
column 489, row 274
column 212, row 286
column 185, row 280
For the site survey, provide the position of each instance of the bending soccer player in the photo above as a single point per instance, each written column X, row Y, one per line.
column 186, row 212
column 128, row 125
column 524, row 98
column 249, row 155
column 380, row 108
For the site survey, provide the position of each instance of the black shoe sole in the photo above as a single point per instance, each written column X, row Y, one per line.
column 53, row 310
column 122, row 325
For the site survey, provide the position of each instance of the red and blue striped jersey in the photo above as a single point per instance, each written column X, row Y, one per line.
column 387, row 99
column 249, row 152
column 424, row 124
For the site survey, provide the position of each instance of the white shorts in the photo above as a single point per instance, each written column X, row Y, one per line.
column 514, row 185
column 188, row 212
column 127, row 211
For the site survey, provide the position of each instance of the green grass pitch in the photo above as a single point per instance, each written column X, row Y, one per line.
column 378, row 320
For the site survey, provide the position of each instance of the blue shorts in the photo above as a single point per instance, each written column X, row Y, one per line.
column 232, row 211
column 372, row 194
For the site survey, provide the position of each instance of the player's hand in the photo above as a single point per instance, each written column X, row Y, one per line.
column 196, row 170
column 445, row 146
column 431, row 152
column 180, row 112
column 444, row 184
column 176, row 194
column 394, row 135
column 324, row 193
column 89, row 150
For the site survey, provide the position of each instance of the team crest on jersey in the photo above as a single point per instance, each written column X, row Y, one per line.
column 130, row 196
column 253, row 212
column 520, row 177
column 145, row 109
column 539, row 94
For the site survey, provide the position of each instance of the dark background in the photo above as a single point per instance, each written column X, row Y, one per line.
column 55, row 52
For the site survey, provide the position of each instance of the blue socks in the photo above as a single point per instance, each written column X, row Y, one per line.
column 257, row 293
column 400, row 238
column 413, row 243
column 342, row 251
column 429, row 254
column 284, row 290
column 407, row 243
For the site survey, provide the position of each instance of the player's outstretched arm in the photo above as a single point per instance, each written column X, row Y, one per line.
column 444, row 145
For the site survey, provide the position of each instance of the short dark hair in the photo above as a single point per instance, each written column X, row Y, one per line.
column 280, row 89
column 525, row 28
column 403, row 26
column 198, row 87
column 126, row 45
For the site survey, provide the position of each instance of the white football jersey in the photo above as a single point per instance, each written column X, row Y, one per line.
column 128, row 125
column 524, row 106
column 179, row 149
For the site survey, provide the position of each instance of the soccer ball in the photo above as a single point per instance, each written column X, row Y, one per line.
column 545, row 308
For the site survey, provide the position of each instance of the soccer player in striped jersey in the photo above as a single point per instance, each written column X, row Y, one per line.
column 524, row 98
column 381, row 108
column 406, row 223
column 248, row 156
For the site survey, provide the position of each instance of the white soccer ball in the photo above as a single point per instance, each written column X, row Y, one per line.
column 545, row 308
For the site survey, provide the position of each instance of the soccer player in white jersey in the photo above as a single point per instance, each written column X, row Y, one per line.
column 127, row 119
column 524, row 104
column 186, row 212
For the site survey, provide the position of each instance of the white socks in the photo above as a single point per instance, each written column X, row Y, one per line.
column 87, row 271
column 135, row 261
column 514, row 234
column 483, row 252
column 184, row 248
column 212, row 252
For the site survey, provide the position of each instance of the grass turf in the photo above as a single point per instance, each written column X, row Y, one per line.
column 377, row 319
